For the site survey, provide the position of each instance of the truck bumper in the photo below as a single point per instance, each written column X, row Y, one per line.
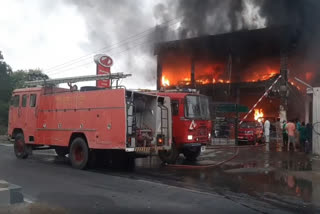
column 194, row 147
column 191, row 145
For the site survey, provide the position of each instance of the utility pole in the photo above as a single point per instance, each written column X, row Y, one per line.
column 284, row 93
column 229, row 69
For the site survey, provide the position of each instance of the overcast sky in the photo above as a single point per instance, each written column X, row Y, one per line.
column 43, row 34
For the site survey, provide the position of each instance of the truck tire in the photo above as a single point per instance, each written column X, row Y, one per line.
column 61, row 151
column 169, row 156
column 192, row 155
column 20, row 148
column 79, row 153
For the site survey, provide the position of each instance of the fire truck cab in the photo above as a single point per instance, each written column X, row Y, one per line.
column 191, row 125
column 89, row 124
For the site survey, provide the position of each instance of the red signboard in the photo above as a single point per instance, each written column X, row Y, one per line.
column 104, row 63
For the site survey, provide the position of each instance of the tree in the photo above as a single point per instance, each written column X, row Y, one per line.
column 5, row 92
column 18, row 78
column 8, row 82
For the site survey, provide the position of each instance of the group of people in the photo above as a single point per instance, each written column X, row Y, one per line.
column 294, row 132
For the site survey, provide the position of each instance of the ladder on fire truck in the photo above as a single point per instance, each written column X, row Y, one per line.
column 114, row 77
column 164, row 116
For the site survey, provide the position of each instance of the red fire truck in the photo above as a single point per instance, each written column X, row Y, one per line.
column 191, row 128
column 89, row 123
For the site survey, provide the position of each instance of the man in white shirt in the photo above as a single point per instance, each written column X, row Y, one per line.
column 267, row 133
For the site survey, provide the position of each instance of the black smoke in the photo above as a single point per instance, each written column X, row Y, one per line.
column 304, row 16
column 109, row 22
column 208, row 17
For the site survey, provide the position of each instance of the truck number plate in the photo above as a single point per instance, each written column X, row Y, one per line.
column 203, row 148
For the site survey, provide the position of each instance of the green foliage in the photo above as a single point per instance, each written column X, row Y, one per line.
column 18, row 78
column 5, row 91
column 5, row 83
column 9, row 81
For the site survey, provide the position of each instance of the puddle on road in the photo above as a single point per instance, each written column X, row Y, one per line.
column 281, row 177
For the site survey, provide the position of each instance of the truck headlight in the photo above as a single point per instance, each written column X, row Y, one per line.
column 209, row 135
column 190, row 137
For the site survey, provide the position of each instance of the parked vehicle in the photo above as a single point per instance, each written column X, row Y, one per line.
column 250, row 132
column 89, row 125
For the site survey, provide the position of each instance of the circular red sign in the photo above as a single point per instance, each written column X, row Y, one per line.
column 103, row 60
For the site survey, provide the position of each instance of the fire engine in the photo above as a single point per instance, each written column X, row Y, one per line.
column 91, row 123
column 191, row 124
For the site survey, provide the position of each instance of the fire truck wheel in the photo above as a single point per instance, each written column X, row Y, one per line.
column 20, row 148
column 61, row 151
column 192, row 155
column 169, row 156
column 79, row 153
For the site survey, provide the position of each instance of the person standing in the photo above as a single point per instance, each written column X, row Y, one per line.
column 303, row 137
column 267, row 133
column 284, row 135
column 298, row 127
column 278, row 133
column 291, row 129
column 308, row 145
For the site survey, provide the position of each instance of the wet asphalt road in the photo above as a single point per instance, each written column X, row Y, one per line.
column 243, row 185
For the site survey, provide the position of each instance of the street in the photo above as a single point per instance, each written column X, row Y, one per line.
column 159, row 106
column 151, row 187
column 78, row 191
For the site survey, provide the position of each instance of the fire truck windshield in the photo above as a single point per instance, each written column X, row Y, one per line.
column 197, row 107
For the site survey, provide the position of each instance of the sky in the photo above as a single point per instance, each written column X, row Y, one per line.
column 61, row 37
column 42, row 34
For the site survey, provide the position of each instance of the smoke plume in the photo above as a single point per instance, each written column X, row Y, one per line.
column 302, row 15
column 110, row 22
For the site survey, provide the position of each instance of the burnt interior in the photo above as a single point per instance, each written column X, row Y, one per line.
column 238, row 67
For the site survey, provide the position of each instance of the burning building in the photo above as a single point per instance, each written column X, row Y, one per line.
column 236, row 67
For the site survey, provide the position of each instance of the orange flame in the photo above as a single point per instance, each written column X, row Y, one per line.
column 258, row 114
column 176, row 70
column 165, row 81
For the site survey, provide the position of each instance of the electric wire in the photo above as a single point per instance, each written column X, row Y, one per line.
column 88, row 63
column 135, row 37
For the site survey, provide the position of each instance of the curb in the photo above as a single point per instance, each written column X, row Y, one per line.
column 10, row 193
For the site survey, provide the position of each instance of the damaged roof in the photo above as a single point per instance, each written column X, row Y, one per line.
column 266, row 41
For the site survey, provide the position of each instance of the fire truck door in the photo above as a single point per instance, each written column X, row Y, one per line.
column 22, row 112
column 31, row 116
column 14, row 117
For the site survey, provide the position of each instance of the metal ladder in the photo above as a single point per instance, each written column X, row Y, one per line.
column 131, row 119
column 164, row 120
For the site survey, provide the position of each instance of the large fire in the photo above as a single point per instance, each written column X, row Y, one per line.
column 204, row 80
column 165, row 81
column 258, row 114
column 176, row 70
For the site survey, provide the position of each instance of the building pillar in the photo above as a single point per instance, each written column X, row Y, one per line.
column 193, row 81
column 159, row 71
column 237, row 94
column 316, row 121
column 307, row 109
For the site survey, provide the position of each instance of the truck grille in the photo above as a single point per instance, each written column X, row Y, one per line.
column 202, row 131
